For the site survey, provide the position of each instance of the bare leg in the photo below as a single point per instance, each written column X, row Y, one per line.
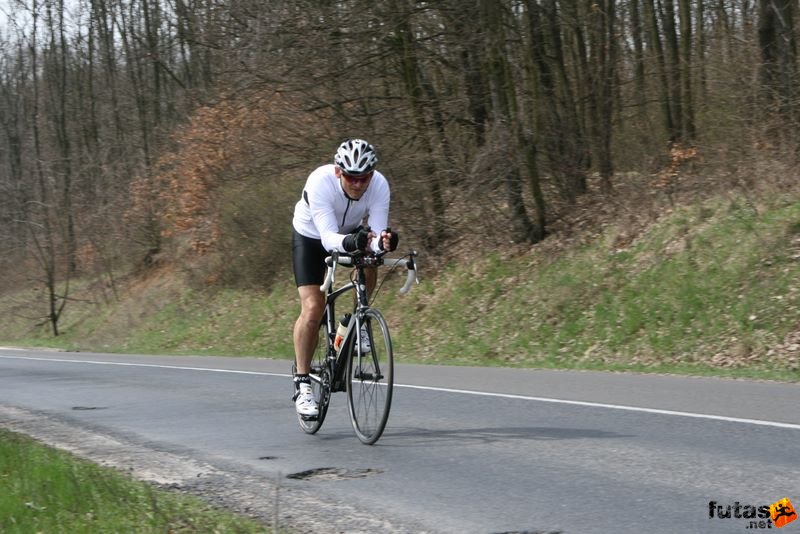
column 306, row 328
column 371, row 277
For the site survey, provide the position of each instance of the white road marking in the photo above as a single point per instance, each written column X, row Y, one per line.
column 640, row 409
column 616, row 407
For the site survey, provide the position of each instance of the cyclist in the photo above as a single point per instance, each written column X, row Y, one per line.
column 337, row 203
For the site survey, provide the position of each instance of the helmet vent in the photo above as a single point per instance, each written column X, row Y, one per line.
column 356, row 156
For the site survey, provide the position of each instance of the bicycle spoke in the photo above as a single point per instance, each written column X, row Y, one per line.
column 369, row 380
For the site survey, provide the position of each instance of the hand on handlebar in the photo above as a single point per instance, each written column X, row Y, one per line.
column 358, row 240
column 389, row 240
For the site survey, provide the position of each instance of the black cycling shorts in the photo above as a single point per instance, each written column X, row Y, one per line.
column 308, row 260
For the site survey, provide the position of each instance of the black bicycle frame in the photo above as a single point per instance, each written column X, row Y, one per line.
column 338, row 362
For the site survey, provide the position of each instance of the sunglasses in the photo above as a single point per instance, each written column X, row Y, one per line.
column 357, row 178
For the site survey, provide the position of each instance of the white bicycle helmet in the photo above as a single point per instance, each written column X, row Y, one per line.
column 355, row 156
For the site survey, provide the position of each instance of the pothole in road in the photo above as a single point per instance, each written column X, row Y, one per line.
column 333, row 473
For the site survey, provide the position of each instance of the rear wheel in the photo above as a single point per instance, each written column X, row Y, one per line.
column 320, row 381
column 370, row 377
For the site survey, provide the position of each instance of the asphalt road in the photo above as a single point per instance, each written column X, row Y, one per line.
column 466, row 449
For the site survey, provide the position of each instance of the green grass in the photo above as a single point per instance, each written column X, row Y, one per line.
column 713, row 288
column 49, row 491
column 710, row 290
column 225, row 321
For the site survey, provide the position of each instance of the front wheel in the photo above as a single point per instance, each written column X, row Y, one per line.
column 370, row 376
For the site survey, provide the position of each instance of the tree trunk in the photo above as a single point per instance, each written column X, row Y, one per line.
column 778, row 71
column 502, row 88
column 58, row 115
column 466, row 25
column 674, row 68
column 137, row 81
column 686, row 68
column 661, row 67
column 42, row 233
column 562, row 134
column 414, row 90
column 105, row 25
column 637, row 36
column 603, row 60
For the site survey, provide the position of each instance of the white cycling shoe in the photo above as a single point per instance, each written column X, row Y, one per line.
column 365, row 344
column 305, row 403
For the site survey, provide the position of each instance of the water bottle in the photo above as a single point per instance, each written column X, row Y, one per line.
column 341, row 331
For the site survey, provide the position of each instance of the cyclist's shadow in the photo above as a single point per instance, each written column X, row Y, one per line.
column 415, row 436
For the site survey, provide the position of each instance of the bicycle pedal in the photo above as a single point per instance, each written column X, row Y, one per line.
column 309, row 417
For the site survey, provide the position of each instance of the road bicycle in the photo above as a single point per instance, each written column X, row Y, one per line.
column 358, row 359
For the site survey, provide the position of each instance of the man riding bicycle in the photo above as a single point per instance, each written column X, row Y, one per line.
column 337, row 203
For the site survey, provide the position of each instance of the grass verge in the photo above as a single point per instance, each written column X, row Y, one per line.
column 711, row 289
column 46, row 490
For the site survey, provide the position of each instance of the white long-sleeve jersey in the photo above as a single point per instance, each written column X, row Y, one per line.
column 325, row 212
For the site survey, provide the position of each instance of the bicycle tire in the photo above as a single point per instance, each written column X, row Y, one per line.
column 370, row 380
column 322, row 388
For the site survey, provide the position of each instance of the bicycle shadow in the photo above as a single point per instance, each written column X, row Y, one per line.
column 415, row 436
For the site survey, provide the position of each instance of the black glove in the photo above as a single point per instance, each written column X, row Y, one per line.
column 394, row 239
column 357, row 240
